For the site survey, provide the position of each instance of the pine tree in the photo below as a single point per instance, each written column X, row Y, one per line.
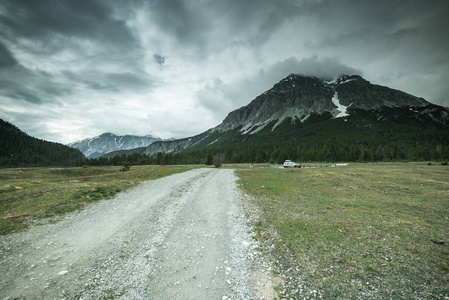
column 209, row 160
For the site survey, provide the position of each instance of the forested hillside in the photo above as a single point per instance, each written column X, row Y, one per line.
column 18, row 149
column 361, row 138
column 334, row 140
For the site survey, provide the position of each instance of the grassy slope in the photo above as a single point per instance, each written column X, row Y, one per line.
column 31, row 194
column 356, row 231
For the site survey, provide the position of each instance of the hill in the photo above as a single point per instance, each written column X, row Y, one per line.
column 18, row 149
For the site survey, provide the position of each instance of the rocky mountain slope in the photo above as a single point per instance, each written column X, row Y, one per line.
column 298, row 97
column 298, row 101
column 109, row 142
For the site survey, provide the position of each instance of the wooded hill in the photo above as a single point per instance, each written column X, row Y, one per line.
column 18, row 149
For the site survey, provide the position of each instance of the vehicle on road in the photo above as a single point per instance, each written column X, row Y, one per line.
column 291, row 164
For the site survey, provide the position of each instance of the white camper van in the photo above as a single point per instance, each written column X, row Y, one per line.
column 291, row 164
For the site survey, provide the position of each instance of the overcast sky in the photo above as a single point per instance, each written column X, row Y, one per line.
column 70, row 70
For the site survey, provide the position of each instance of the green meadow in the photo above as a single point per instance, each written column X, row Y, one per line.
column 38, row 195
column 376, row 231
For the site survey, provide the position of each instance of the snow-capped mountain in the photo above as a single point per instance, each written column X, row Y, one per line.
column 108, row 142
column 299, row 99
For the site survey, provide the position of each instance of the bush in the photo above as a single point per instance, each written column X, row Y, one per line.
column 126, row 166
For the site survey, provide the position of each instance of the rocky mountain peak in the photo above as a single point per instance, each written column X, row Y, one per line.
column 299, row 96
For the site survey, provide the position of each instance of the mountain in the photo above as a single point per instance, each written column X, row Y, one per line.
column 308, row 118
column 18, row 149
column 109, row 142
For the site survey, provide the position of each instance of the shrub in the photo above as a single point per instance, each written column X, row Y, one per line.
column 126, row 166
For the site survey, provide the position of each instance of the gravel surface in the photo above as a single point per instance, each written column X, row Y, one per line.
column 180, row 237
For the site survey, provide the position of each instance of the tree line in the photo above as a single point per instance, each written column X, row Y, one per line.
column 301, row 153
column 325, row 141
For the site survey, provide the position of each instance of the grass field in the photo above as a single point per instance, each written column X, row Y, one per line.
column 32, row 195
column 362, row 231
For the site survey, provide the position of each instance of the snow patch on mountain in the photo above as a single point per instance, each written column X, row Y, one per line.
column 347, row 80
column 341, row 108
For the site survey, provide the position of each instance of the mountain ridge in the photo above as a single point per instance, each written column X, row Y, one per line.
column 108, row 142
column 305, row 99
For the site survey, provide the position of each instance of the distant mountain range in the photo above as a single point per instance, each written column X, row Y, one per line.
column 308, row 118
column 108, row 142
column 18, row 149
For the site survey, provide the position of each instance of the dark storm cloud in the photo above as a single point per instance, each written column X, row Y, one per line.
column 63, row 55
column 209, row 25
column 27, row 95
column 46, row 19
column 33, row 86
column 258, row 17
column 60, row 46
column 6, row 58
column 185, row 20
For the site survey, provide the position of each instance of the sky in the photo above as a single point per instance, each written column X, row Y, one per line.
column 71, row 70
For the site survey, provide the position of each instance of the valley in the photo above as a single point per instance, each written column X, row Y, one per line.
column 373, row 231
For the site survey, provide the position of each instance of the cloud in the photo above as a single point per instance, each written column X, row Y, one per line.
column 49, row 19
column 159, row 59
column 186, row 21
column 79, row 68
column 128, row 81
column 326, row 68
column 220, row 98
column 33, row 86
column 6, row 58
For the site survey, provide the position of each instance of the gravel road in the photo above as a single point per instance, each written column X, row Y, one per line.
column 180, row 237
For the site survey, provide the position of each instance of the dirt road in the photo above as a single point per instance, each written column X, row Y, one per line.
column 179, row 237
